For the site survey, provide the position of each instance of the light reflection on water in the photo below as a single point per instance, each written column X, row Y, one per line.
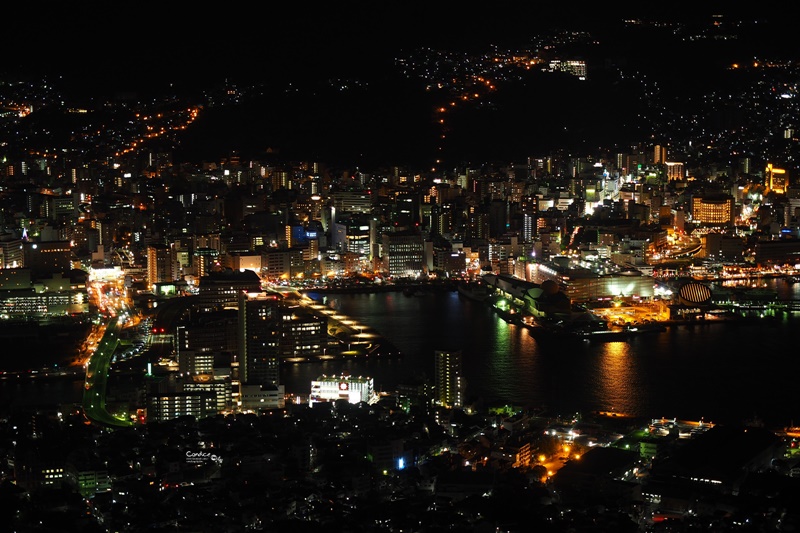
column 714, row 371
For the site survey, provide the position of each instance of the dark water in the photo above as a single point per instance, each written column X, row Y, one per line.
column 724, row 372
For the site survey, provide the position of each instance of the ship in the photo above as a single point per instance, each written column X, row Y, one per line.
column 474, row 290
column 610, row 335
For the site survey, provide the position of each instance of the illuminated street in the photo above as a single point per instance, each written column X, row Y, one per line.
column 94, row 396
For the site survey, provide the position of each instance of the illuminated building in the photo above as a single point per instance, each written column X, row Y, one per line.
column 777, row 179
column 344, row 387
column 219, row 290
column 452, row 262
column 352, row 234
column 403, row 254
column 450, row 384
column 581, row 285
column 545, row 299
column 36, row 468
column 713, row 210
column 659, row 154
column 19, row 296
column 255, row 397
column 218, row 387
column 477, row 224
column 204, row 260
column 27, row 302
column 205, row 334
column 725, row 247
column 87, row 476
column 11, row 251
column 242, row 261
column 574, row 67
column 352, row 201
column 158, row 264
column 405, row 209
column 279, row 263
column 260, row 325
column 302, row 335
column 180, row 258
column 191, row 361
column 169, row 405
column 675, row 171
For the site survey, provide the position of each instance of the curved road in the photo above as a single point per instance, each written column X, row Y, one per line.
column 94, row 393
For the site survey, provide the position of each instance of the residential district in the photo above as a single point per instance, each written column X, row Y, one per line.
column 190, row 278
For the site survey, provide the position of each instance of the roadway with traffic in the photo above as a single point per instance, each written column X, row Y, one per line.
column 94, row 393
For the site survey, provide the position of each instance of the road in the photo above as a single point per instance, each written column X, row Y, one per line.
column 94, row 394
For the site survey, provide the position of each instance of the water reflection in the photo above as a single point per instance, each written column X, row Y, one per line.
column 617, row 380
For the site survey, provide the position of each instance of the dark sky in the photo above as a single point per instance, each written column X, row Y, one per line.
column 103, row 49
column 122, row 43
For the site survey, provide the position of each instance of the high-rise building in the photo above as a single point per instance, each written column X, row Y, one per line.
column 204, row 260
column 659, row 154
column 175, row 404
column 450, row 383
column 675, row 171
column 302, row 335
column 260, row 319
column 281, row 263
column 158, row 264
column 777, row 179
column 193, row 363
column 403, row 254
column 220, row 290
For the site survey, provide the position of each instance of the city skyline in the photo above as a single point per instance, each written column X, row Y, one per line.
column 173, row 181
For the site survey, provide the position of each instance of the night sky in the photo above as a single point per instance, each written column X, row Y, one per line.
column 133, row 45
column 105, row 49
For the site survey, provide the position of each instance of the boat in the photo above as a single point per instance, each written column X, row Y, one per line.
column 605, row 335
column 476, row 291
column 650, row 327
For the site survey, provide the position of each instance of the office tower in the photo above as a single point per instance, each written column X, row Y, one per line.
column 302, row 335
column 477, row 224
column 192, row 362
column 220, row 290
column 259, row 338
column 403, row 254
column 204, row 261
column 675, row 171
column 158, row 264
column 777, row 179
column 449, row 380
column 659, row 154
column 175, row 404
